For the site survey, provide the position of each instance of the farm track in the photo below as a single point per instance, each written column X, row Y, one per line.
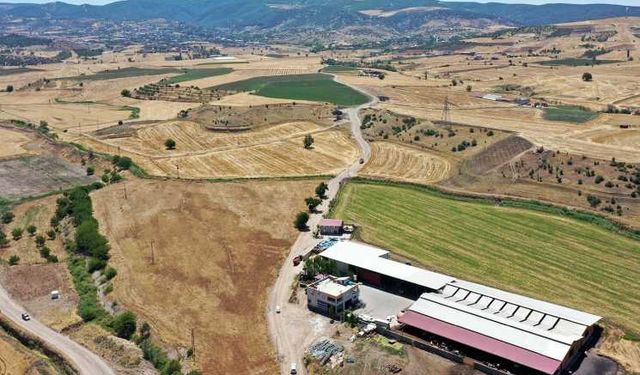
column 291, row 331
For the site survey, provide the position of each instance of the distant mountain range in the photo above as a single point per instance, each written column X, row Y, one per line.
column 396, row 16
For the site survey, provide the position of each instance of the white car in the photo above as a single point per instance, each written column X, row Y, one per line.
column 294, row 369
column 26, row 317
column 277, row 309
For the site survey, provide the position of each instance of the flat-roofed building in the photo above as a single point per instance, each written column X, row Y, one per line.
column 372, row 266
column 332, row 296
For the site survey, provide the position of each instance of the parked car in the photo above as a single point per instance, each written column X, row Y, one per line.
column 294, row 369
column 297, row 260
column 26, row 317
column 277, row 309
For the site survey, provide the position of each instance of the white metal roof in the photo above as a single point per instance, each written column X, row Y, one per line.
column 499, row 328
column 371, row 258
column 332, row 288
column 566, row 313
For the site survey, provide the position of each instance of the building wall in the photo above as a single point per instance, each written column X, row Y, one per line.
column 321, row 302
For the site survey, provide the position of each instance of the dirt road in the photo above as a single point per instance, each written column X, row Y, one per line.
column 83, row 360
column 295, row 328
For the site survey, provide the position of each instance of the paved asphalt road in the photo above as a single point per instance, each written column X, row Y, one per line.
column 291, row 330
column 80, row 357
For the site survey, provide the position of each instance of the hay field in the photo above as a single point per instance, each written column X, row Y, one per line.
column 217, row 249
column 396, row 161
column 540, row 254
column 265, row 152
column 13, row 143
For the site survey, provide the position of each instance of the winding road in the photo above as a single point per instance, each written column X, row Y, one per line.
column 291, row 330
column 80, row 358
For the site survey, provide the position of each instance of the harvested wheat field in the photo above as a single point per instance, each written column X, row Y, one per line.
column 217, row 247
column 265, row 152
column 13, row 143
column 405, row 163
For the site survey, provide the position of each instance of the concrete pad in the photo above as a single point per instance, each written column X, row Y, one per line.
column 380, row 304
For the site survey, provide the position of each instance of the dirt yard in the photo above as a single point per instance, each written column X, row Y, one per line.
column 216, row 249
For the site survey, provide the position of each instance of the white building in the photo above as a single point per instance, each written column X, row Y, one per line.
column 332, row 296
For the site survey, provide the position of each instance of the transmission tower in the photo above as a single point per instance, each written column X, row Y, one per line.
column 446, row 111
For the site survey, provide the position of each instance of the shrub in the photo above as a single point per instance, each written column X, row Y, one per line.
column 599, row 179
column 593, row 201
column 89, row 307
column 40, row 240
column 312, row 203
column 51, row 234
column 587, row 77
column 110, row 273
column 321, row 190
column 609, row 184
column 16, row 233
column 301, row 220
column 7, row 217
column 124, row 325
column 308, row 141
column 91, row 171
column 45, row 252
column 31, row 229
column 14, row 260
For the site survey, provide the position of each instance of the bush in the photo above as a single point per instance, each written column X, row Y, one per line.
column 51, row 234
column 91, row 171
column 593, row 201
column 90, row 242
column 14, row 260
column 301, row 220
column 40, row 240
column 308, row 141
column 122, row 162
column 7, row 217
column 124, row 325
column 312, row 203
column 126, row 93
column 110, row 273
column 16, row 233
column 89, row 307
column 321, row 190
column 587, row 77
column 45, row 252
column 31, row 229
column 599, row 179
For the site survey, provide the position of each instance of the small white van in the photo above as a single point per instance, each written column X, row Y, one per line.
column 294, row 369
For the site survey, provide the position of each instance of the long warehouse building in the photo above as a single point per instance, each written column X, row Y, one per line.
column 534, row 335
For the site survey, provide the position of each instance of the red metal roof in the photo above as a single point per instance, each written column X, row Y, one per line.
column 330, row 223
column 481, row 342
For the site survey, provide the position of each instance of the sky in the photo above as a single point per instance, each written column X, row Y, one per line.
column 620, row 2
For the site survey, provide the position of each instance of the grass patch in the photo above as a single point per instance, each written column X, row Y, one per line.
column 135, row 111
column 193, row 74
column 314, row 87
column 12, row 71
column 123, row 73
column 385, row 344
column 558, row 258
column 573, row 61
column 569, row 113
column 631, row 337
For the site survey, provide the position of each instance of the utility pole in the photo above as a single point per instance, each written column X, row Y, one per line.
column 153, row 258
column 193, row 344
column 178, row 170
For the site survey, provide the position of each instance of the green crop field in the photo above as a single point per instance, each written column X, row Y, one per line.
column 569, row 113
column 12, row 71
column 338, row 69
column 314, row 87
column 572, row 61
column 193, row 74
column 124, row 73
column 540, row 254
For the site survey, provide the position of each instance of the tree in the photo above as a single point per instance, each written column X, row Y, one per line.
column 3, row 239
column 124, row 325
column 51, row 234
column 110, row 273
column 122, row 162
column 312, row 203
column 40, row 240
column 300, row 223
column 9, row 88
column 587, row 77
column 308, row 141
column 170, row 144
column 16, row 233
column 90, row 171
column 7, row 217
column 14, row 260
column 321, row 190
column 126, row 93
column 31, row 229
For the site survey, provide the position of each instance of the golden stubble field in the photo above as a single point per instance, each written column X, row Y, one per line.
column 217, row 247
column 271, row 151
